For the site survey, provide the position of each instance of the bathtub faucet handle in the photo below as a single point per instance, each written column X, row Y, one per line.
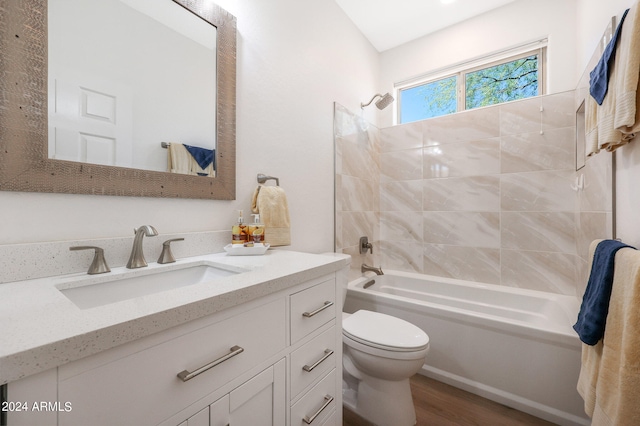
column 365, row 245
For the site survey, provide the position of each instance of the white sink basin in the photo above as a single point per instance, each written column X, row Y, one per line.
column 132, row 284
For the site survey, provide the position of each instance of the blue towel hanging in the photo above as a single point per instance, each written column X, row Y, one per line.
column 595, row 303
column 599, row 77
column 203, row 156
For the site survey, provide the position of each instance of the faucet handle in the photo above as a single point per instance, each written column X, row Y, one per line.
column 365, row 245
column 166, row 256
column 99, row 264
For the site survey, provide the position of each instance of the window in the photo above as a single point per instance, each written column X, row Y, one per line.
column 477, row 85
column 440, row 93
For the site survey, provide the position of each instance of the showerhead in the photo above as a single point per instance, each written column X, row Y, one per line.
column 384, row 101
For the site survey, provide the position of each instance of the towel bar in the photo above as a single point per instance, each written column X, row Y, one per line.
column 263, row 178
column 165, row 144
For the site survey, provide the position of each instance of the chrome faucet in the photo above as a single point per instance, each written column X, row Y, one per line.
column 136, row 260
column 364, row 268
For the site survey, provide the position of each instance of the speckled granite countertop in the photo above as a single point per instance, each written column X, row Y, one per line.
column 42, row 329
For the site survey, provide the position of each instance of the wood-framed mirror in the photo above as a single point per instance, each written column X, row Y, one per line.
column 24, row 162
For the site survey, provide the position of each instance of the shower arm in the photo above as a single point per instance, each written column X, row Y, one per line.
column 369, row 103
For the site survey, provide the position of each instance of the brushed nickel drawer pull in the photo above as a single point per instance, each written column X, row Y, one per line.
column 327, row 354
column 317, row 311
column 188, row 375
column 327, row 400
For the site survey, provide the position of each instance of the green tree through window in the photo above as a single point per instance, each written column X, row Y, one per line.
column 516, row 78
column 502, row 83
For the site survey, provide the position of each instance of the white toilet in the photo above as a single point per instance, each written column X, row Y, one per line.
column 380, row 354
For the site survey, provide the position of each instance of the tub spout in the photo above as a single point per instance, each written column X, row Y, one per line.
column 364, row 268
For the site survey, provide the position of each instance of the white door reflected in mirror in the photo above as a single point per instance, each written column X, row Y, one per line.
column 126, row 75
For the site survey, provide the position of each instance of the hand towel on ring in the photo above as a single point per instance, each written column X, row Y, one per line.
column 271, row 203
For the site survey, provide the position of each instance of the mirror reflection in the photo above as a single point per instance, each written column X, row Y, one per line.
column 132, row 83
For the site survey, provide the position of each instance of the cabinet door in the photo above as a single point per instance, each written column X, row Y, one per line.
column 219, row 412
column 26, row 393
column 261, row 400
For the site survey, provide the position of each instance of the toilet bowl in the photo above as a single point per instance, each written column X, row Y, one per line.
column 380, row 354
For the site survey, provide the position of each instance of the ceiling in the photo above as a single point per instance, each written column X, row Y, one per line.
column 390, row 23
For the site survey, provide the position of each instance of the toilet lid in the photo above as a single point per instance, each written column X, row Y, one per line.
column 382, row 330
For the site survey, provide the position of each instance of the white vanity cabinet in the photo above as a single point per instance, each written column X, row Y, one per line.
column 275, row 360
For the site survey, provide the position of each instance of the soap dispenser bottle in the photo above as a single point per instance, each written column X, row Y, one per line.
column 239, row 231
column 256, row 230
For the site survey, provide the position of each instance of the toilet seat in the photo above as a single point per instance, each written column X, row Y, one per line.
column 380, row 331
column 385, row 353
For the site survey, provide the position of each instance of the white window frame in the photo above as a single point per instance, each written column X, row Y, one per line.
column 538, row 47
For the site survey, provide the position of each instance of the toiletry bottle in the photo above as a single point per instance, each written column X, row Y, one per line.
column 256, row 230
column 239, row 231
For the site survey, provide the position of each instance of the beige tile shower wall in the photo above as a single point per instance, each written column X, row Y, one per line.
column 357, row 163
column 594, row 212
column 488, row 195
column 484, row 195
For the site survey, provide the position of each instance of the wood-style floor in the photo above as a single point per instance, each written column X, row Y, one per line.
column 438, row 404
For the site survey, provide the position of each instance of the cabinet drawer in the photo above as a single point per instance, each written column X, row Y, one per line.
column 316, row 405
column 144, row 387
column 312, row 361
column 312, row 308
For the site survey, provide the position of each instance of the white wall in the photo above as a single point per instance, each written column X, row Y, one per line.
column 294, row 60
column 514, row 24
column 593, row 17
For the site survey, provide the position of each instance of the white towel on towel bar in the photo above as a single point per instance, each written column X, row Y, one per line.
column 179, row 160
column 614, row 123
column 609, row 379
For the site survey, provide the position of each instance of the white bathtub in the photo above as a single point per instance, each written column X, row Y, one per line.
column 513, row 346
